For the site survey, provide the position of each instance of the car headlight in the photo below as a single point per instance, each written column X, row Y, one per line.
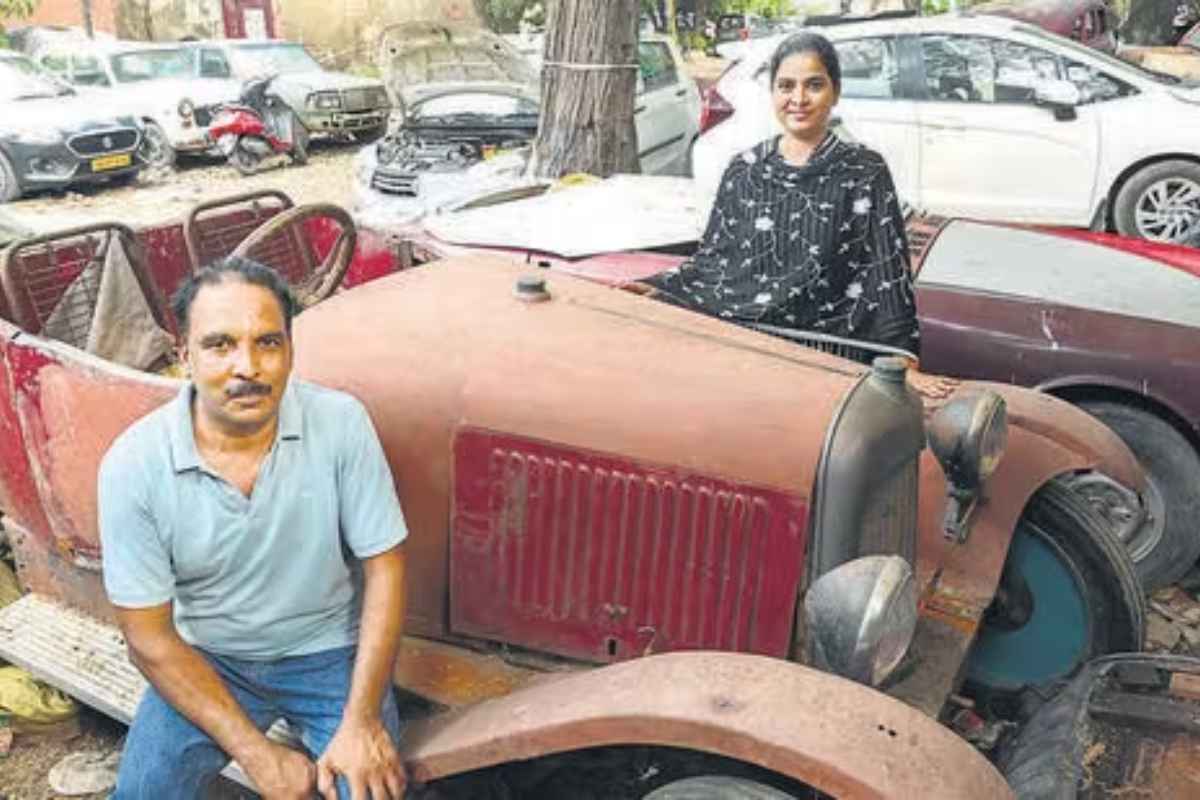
column 968, row 435
column 861, row 618
column 186, row 108
column 324, row 101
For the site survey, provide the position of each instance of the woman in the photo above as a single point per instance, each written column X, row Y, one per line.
column 806, row 232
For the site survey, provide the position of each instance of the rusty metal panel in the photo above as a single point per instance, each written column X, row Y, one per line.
column 604, row 558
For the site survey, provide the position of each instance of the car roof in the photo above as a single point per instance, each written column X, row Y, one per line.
column 110, row 46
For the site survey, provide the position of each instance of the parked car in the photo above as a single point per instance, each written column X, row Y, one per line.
column 326, row 101
column 590, row 478
column 469, row 111
column 157, row 83
column 1105, row 325
column 741, row 27
column 51, row 138
column 1089, row 22
column 1181, row 60
column 1047, row 131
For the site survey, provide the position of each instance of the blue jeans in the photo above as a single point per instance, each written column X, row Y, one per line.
column 167, row 757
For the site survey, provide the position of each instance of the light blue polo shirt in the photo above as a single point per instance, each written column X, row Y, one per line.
column 260, row 577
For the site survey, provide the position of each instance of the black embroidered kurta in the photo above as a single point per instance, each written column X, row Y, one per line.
column 819, row 247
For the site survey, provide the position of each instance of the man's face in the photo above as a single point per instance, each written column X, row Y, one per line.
column 239, row 355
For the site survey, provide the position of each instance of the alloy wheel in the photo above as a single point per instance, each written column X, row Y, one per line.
column 1169, row 210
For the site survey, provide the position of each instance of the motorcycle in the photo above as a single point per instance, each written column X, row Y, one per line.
column 258, row 127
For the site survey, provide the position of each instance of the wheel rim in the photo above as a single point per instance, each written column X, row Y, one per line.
column 1054, row 639
column 1169, row 210
column 157, row 152
column 1113, row 502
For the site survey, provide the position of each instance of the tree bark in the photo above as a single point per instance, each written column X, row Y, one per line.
column 587, row 116
column 86, row 6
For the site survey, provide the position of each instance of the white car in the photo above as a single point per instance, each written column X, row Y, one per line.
column 468, row 114
column 995, row 119
column 155, row 83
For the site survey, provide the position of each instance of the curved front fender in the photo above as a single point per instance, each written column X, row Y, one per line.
column 837, row 736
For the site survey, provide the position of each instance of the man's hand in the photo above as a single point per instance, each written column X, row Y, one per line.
column 281, row 773
column 363, row 753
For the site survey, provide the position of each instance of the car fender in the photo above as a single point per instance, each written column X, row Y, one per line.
column 840, row 737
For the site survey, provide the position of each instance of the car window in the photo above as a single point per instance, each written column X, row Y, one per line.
column 977, row 69
column 272, row 58
column 146, row 65
column 55, row 63
column 21, row 80
column 87, row 71
column 213, row 64
column 657, row 66
column 869, row 68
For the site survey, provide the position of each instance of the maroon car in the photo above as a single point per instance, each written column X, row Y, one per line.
column 1109, row 324
column 1091, row 22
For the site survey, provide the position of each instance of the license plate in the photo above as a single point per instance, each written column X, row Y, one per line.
column 111, row 162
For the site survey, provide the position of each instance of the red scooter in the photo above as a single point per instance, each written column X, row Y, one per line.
column 260, row 125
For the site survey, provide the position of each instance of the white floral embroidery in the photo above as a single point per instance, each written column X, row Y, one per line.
column 762, row 298
column 749, row 157
column 862, row 205
column 854, row 290
column 764, row 224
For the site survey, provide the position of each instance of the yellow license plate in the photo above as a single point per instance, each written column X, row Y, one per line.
column 111, row 162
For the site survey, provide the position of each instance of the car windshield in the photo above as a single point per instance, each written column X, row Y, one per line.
column 148, row 65
column 475, row 107
column 20, row 79
column 262, row 59
column 1112, row 62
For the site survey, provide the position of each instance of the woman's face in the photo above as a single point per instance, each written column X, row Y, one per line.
column 803, row 96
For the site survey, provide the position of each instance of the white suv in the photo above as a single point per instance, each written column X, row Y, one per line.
column 994, row 119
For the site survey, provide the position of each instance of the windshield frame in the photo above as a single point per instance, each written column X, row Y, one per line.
column 30, row 79
column 1108, row 61
column 415, row 116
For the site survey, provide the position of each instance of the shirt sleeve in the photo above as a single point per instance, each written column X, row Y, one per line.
column 885, row 309
column 136, row 559
column 368, row 507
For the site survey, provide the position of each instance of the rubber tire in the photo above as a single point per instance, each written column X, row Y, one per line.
column 244, row 161
column 1115, row 597
column 167, row 161
column 1125, row 205
column 1173, row 463
column 9, row 188
column 716, row 787
column 300, row 141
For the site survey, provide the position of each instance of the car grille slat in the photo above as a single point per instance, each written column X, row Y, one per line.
column 100, row 143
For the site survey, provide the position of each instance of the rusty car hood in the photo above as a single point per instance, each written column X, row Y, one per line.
column 420, row 54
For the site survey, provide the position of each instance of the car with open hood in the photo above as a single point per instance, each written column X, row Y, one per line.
column 468, row 114
column 160, row 84
column 1181, row 60
column 51, row 137
column 327, row 101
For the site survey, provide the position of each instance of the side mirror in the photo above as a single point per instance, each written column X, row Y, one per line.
column 1060, row 96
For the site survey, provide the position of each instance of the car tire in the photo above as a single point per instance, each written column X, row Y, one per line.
column 368, row 135
column 1068, row 594
column 1172, row 466
column 1142, row 206
column 9, row 188
column 159, row 153
column 716, row 787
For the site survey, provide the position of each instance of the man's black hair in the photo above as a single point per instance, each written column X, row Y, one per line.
column 809, row 42
column 233, row 268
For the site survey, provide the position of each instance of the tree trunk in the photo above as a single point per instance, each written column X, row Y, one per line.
column 586, row 120
column 672, row 23
column 87, row 18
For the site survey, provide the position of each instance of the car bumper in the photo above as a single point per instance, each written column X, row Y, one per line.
column 345, row 120
column 55, row 166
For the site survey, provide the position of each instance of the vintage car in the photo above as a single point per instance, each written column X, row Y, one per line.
column 326, row 101
column 52, row 138
column 634, row 531
column 1050, row 131
column 1089, row 22
column 1105, row 322
column 468, row 116
column 156, row 83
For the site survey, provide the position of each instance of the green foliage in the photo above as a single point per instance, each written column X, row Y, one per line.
column 765, row 8
column 17, row 8
column 505, row 16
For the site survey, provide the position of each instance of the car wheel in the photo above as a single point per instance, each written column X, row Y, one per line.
column 716, row 787
column 9, row 188
column 1161, row 202
column 1168, row 544
column 1068, row 593
column 245, row 161
column 368, row 135
column 156, row 147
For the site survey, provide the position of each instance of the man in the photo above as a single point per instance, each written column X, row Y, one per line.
column 251, row 536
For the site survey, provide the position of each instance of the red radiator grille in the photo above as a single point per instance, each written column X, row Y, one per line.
column 600, row 558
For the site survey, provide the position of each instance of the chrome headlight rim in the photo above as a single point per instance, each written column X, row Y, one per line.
column 968, row 436
column 186, row 108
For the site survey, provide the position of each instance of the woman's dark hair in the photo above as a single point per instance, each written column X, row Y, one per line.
column 233, row 268
column 808, row 42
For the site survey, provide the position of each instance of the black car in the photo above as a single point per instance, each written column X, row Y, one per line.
column 51, row 137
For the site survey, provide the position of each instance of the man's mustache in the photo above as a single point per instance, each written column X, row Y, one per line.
column 247, row 389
